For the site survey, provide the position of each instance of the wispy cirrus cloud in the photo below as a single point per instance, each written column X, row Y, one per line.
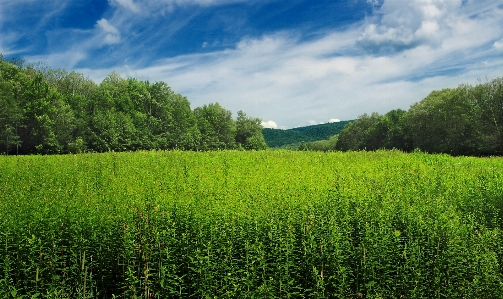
column 498, row 45
column 21, row 22
column 128, row 4
column 167, row 6
column 112, row 35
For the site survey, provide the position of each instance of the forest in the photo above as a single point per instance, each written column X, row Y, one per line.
column 47, row 111
column 467, row 120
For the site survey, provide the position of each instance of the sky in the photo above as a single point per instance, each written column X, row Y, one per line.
column 288, row 62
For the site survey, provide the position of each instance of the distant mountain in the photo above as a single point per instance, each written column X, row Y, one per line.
column 293, row 137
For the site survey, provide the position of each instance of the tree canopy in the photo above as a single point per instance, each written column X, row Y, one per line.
column 467, row 120
column 46, row 111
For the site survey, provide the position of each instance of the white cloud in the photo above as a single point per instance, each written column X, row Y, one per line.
column 7, row 41
column 334, row 120
column 167, row 6
column 407, row 24
column 112, row 35
column 498, row 45
column 269, row 124
column 107, row 27
column 112, row 39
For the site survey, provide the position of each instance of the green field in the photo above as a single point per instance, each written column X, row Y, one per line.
column 268, row 224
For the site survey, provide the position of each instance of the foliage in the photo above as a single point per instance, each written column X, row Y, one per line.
column 320, row 145
column 487, row 100
column 216, row 126
column 249, row 132
column 465, row 120
column 268, row 224
column 372, row 132
column 49, row 111
column 443, row 122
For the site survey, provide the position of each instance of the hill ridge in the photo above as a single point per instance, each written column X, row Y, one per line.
column 276, row 138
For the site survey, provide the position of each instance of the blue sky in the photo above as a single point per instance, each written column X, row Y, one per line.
column 289, row 62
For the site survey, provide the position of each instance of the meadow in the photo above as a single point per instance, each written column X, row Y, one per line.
column 265, row 224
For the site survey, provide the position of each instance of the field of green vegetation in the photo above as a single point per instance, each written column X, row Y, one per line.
column 267, row 224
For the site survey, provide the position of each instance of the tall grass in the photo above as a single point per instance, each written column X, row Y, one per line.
column 272, row 224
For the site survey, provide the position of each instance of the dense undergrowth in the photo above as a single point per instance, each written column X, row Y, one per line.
column 271, row 224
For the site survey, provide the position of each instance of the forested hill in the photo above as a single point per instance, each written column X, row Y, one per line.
column 293, row 137
column 46, row 111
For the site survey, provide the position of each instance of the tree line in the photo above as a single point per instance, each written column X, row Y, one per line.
column 467, row 120
column 47, row 111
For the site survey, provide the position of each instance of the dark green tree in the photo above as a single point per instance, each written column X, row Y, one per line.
column 12, row 81
column 53, row 111
column 183, row 131
column 487, row 99
column 78, row 92
column 249, row 132
column 396, row 135
column 160, row 112
column 217, row 128
column 444, row 122
column 366, row 132
column 48, row 120
column 320, row 145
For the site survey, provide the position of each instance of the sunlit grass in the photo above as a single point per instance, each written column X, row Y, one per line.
column 270, row 224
